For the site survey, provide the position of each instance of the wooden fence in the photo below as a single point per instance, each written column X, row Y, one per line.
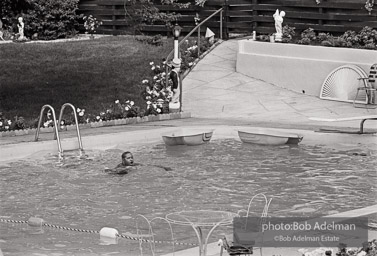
column 242, row 16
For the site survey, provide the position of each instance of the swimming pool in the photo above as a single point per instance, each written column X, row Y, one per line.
column 311, row 179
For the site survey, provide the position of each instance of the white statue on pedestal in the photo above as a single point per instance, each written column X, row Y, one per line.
column 278, row 17
column 20, row 26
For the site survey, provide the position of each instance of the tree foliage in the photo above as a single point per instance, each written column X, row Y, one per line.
column 141, row 12
column 49, row 19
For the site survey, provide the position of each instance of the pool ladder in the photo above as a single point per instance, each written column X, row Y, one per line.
column 57, row 125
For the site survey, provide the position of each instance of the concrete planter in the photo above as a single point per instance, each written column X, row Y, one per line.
column 300, row 68
column 133, row 120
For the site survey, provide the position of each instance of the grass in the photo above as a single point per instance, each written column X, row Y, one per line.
column 89, row 74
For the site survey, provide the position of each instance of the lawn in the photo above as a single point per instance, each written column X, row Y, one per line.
column 90, row 74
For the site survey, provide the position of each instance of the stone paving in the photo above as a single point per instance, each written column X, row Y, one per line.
column 213, row 89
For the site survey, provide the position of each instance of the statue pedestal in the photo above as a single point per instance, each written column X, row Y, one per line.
column 174, row 107
column 278, row 37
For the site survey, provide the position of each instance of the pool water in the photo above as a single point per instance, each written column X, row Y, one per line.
column 303, row 180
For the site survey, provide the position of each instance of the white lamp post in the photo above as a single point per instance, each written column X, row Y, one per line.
column 177, row 64
column 176, row 32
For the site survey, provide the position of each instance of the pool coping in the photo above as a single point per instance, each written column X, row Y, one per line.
column 14, row 151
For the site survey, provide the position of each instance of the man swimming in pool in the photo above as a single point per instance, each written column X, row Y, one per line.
column 128, row 164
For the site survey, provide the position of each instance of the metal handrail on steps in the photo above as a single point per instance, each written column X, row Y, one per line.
column 76, row 121
column 55, row 127
column 197, row 28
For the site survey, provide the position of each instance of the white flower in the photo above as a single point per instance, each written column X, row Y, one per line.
column 9, row 122
column 151, row 63
column 6, row 127
column 127, row 101
column 158, row 66
column 83, row 110
column 145, row 81
column 190, row 64
column 117, row 102
column 61, row 122
column 153, row 68
column 127, row 108
column 163, row 74
column 1, row 123
column 132, row 103
column 164, row 62
column 98, row 117
column 148, row 97
column 148, row 102
column 158, row 110
column 78, row 110
column 45, row 124
column 81, row 113
column 155, row 77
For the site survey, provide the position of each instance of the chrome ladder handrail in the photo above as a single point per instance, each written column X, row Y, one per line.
column 76, row 121
column 55, row 127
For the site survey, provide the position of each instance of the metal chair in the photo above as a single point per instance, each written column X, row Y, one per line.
column 370, row 88
column 237, row 249
column 234, row 249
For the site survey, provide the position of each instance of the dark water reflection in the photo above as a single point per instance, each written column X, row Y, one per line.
column 222, row 175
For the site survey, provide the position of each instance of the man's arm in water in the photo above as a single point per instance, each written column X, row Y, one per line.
column 168, row 169
column 120, row 169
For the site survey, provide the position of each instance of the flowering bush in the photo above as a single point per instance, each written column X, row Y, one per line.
column 127, row 109
column 8, row 125
column 154, row 90
column 288, row 34
column 5, row 124
column 364, row 39
column 91, row 24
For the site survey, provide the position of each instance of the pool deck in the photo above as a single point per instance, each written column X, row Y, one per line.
column 216, row 95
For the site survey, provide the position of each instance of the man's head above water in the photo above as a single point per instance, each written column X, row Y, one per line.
column 127, row 159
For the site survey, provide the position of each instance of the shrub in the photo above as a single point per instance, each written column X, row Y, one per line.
column 51, row 19
column 351, row 38
column 307, row 36
column 324, row 37
column 326, row 43
column 152, row 40
column 141, row 12
column 91, row 24
column 367, row 36
column 305, row 41
column 288, row 34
